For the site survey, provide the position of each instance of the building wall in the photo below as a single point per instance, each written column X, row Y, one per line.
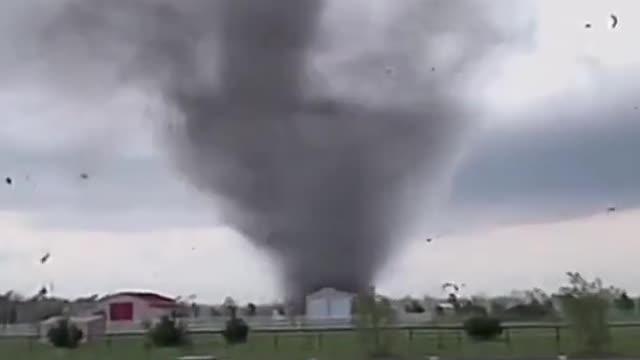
column 142, row 312
column 329, row 304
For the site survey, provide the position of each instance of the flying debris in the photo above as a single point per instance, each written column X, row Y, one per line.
column 389, row 70
column 45, row 258
column 8, row 180
column 587, row 25
column 433, row 69
column 614, row 21
column 611, row 209
column 429, row 240
column 447, row 285
column 84, row 176
column 43, row 292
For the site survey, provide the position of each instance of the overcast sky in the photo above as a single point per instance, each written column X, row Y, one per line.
column 555, row 145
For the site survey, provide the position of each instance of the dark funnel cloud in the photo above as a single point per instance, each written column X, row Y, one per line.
column 313, row 132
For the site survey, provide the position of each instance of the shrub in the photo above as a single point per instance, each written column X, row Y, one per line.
column 236, row 331
column 483, row 328
column 414, row 307
column 65, row 335
column 168, row 333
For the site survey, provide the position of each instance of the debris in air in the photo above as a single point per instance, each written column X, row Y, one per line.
column 587, row 25
column 45, row 258
column 450, row 285
column 611, row 209
column 429, row 240
column 389, row 70
column 84, row 176
column 42, row 292
column 8, row 180
column 614, row 21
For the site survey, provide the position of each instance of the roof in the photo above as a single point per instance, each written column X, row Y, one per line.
column 329, row 292
column 153, row 299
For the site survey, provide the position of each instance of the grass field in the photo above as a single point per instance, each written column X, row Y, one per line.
column 516, row 343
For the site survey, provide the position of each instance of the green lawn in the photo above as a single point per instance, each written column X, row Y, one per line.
column 329, row 346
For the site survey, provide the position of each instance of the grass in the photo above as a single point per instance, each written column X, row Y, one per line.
column 516, row 343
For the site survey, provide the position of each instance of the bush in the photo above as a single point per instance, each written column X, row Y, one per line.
column 167, row 333
column 414, row 307
column 236, row 331
column 483, row 328
column 65, row 335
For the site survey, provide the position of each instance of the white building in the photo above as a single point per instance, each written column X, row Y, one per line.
column 329, row 303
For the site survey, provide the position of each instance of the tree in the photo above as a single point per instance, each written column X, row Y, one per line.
column 624, row 303
column 585, row 304
column 236, row 329
column 231, row 306
column 252, row 309
column 374, row 316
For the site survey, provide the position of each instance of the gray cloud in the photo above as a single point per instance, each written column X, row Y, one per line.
column 563, row 164
column 570, row 158
column 122, row 192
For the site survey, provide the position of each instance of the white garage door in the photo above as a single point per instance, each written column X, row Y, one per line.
column 340, row 308
column 317, row 309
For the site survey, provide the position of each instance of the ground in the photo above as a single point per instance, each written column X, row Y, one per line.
column 332, row 346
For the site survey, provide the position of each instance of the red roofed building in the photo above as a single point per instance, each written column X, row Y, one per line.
column 136, row 307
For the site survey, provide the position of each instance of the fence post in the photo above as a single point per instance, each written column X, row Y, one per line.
column 410, row 345
column 507, row 338
column 310, row 340
column 275, row 341
column 558, row 343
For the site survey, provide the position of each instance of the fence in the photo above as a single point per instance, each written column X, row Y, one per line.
column 542, row 337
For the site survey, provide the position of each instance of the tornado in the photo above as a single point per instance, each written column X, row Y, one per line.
column 315, row 173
